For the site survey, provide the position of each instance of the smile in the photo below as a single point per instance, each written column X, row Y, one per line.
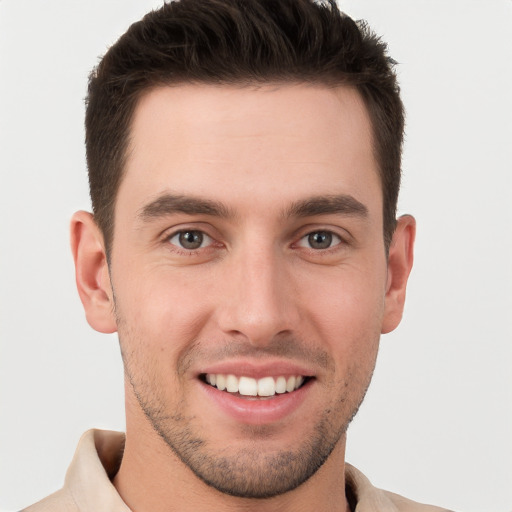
column 248, row 386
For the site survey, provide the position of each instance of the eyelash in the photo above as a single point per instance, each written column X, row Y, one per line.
column 191, row 231
column 335, row 241
column 183, row 251
column 177, row 247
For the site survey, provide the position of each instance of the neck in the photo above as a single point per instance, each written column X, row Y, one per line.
column 152, row 478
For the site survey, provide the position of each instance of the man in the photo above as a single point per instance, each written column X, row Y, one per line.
column 244, row 166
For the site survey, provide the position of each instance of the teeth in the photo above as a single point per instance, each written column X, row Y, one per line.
column 247, row 386
column 280, row 385
column 231, row 384
column 290, row 384
column 266, row 387
column 220, row 382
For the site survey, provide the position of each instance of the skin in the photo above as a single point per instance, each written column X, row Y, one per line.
column 255, row 293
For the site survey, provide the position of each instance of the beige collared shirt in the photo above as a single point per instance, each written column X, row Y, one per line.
column 88, row 486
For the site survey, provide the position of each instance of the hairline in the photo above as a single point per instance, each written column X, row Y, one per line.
column 328, row 81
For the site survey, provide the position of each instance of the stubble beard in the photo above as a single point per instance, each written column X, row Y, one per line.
column 249, row 472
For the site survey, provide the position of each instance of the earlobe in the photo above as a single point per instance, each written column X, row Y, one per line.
column 91, row 272
column 400, row 260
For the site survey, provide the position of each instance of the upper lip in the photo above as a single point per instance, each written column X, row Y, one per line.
column 258, row 369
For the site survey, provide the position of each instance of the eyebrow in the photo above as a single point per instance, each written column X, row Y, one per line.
column 336, row 204
column 168, row 204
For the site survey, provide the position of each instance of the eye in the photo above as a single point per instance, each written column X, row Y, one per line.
column 190, row 239
column 319, row 240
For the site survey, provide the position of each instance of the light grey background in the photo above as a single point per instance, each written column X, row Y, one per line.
column 437, row 423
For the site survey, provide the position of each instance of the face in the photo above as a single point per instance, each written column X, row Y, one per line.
column 249, row 277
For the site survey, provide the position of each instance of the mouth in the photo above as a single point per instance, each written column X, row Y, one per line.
column 252, row 388
column 253, row 394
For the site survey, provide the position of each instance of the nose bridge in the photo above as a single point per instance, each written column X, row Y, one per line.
column 259, row 304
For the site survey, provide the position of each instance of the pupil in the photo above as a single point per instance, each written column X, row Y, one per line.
column 320, row 240
column 191, row 239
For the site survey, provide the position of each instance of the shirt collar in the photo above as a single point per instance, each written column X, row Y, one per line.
column 98, row 457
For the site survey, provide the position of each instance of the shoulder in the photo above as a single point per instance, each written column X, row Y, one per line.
column 87, row 485
column 368, row 498
column 406, row 505
column 60, row 501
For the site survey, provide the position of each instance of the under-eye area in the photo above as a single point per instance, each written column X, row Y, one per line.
column 251, row 387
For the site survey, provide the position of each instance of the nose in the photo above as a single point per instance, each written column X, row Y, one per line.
column 259, row 300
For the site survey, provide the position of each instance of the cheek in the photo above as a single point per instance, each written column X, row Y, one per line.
column 349, row 300
column 164, row 301
column 347, row 315
column 159, row 315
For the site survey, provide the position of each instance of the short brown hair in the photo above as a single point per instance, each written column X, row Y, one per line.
column 238, row 42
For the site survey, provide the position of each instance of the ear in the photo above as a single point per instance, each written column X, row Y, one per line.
column 400, row 261
column 91, row 272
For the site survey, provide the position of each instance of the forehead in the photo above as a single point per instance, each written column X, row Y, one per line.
column 229, row 140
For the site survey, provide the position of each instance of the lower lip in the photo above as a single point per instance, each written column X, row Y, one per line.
column 258, row 411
